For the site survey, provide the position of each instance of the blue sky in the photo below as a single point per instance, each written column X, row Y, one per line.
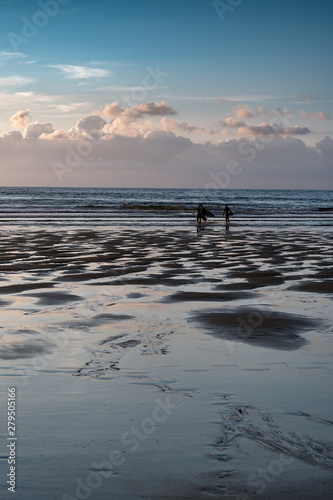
column 226, row 71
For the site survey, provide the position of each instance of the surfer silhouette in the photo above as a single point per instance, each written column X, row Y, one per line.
column 227, row 212
column 201, row 213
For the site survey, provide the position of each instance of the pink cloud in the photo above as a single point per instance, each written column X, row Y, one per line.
column 21, row 118
column 153, row 109
column 112, row 110
column 320, row 115
column 275, row 129
column 232, row 122
column 170, row 125
column 160, row 158
column 242, row 112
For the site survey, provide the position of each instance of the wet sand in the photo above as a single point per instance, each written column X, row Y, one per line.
column 168, row 363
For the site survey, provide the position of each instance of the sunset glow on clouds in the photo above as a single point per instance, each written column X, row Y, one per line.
column 144, row 112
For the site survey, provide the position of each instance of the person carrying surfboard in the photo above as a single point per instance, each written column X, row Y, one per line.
column 227, row 212
column 201, row 213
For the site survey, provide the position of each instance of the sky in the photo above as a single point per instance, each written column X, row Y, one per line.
column 187, row 93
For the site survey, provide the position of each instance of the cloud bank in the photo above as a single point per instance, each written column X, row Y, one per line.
column 138, row 146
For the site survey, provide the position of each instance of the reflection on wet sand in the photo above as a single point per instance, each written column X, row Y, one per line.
column 234, row 327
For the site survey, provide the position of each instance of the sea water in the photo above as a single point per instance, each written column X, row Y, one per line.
column 25, row 206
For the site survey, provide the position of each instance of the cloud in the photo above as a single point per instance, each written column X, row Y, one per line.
column 127, row 126
column 136, row 112
column 47, row 101
column 80, row 72
column 126, row 121
column 58, row 134
column 221, row 100
column 232, row 122
column 261, row 111
column 282, row 112
column 274, row 129
column 242, row 112
column 160, row 158
column 15, row 81
column 35, row 130
column 21, row 118
column 296, row 96
column 246, row 112
column 89, row 125
column 169, row 125
column 152, row 109
column 8, row 56
column 112, row 110
column 13, row 134
column 295, row 130
column 320, row 115
column 325, row 147
column 68, row 108
column 144, row 146
column 278, row 111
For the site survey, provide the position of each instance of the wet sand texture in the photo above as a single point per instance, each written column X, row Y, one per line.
column 233, row 328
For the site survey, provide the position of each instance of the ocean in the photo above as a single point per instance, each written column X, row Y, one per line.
column 36, row 206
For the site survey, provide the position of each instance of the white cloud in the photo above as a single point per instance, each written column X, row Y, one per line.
column 8, row 56
column 35, row 130
column 89, row 125
column 68, row 108
column 15, row 81
column 80, row 72
column 126, row 121
column 13, row 134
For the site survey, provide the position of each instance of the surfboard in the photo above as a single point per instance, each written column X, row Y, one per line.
column 209, row 214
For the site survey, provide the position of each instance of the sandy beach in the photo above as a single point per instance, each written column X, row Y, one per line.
column 168, row 363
